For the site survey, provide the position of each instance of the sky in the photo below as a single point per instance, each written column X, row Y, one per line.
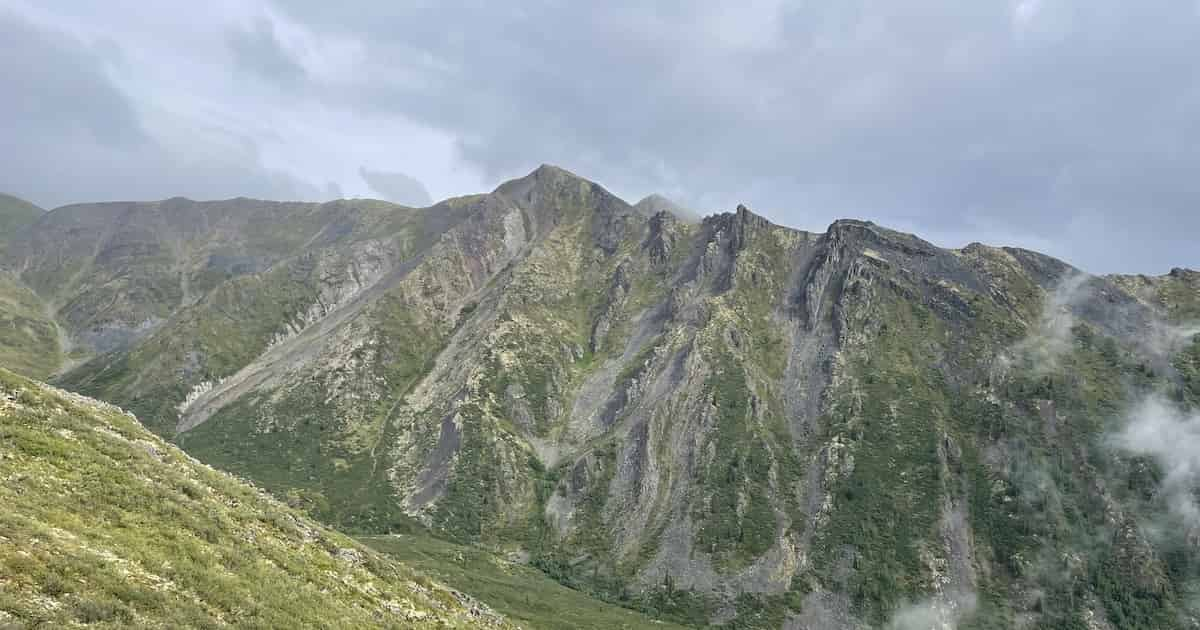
column 1067, row 126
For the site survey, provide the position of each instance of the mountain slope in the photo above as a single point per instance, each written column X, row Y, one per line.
column 726, row 421
column 29, row 336
column 106, row 524
column 521, row 593
column 114, row 272
column 15, row 215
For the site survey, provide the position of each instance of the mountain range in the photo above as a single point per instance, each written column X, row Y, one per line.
column 711, row 421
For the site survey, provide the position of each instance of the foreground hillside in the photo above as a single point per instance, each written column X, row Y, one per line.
column 725, row 421
column 105, row 524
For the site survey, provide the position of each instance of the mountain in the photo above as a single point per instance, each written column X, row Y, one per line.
column 15, row 215
column 30, row 340
column 722, row 421
column 651, row 205
column 105, row 524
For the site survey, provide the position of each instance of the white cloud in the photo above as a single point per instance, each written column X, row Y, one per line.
column 934, row 614
column 1171, row 436
column 1052, row 335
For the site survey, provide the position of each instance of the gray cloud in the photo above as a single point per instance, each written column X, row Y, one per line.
column 259, row 50
column 72, row 134
column 1068, row 126
column 1066, row 123
column 397, row 187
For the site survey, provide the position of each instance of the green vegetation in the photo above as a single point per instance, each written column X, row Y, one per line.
column 523, row 594
column 298, row 444
column 858, row 417
column 470, row 510
column 887, row 507
column 28, row 336
column 301, row 460
column 104, row 523
column 1053, row 433
column 1188, row 364
column 1179, row 293
column 738, row 520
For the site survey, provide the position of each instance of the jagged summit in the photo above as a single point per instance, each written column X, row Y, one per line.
column 740, row 216
column 545, row 175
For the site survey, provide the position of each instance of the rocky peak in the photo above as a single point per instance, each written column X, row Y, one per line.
column 867, row 235
column 664, row 228
column 656, row 203
column 1181, row 273
column 545, row 178
column 551, row 194
column 738, row 226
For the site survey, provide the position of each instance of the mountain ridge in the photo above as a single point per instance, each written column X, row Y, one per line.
column 723, row 421
column 15, row 215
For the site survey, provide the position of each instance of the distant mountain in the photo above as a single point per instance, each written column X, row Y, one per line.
column 654, row 204
column 722, row 420
column 16, row 214
column 106, row 525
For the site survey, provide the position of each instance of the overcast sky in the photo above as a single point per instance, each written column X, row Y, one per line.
column 1067, row 126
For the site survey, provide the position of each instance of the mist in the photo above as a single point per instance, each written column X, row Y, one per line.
column 1170, row 435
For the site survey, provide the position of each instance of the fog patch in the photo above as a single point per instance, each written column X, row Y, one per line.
column 1171, row 436
column 396, row 187
column 1052, row 337
column 1163, row 340
column 939, row 613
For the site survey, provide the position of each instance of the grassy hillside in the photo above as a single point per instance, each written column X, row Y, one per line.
column 523, row 594
column 105, row 524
